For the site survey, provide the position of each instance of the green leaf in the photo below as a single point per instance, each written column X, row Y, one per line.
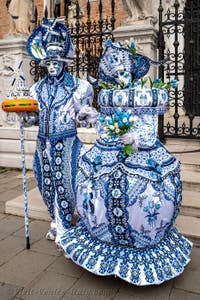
column 128, row 149
column 143, row 82
column 104, row 85
column 132, row 50
column 151, row 82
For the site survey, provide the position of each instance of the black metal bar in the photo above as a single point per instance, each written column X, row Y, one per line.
column 77, row 29
column 46, row 12
column 36, row 16
column 113, row 14
column 176, row 51
column 88, row 49
column 100, row 48
column 66, row 12
column 161, row 48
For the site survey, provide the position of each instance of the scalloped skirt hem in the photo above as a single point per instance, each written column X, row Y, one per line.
column 140, row 267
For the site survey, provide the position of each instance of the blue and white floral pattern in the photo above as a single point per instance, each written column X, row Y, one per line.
column 58, row 147
column 152, row 265
column 128, row 204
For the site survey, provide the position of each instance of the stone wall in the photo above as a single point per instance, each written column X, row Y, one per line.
column 10, row 148
column 4, row 19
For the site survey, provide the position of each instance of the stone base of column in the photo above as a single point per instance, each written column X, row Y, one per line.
column 144, row 34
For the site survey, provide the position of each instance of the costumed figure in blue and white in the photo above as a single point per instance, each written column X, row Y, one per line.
column 128, row 200
column 64, row 100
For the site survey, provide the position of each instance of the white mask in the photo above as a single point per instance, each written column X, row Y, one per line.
column 54, row 67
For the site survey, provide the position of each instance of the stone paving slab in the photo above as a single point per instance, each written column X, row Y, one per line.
column 183, row 295
column 189, row 280
column 10, row 247
column 10, row 225
column 24, row 267
column 91, row 287
column 8, row 291
column 155, row 292
column 37, row 230
column 66, row 267
column 46, row 247
column 47, row 285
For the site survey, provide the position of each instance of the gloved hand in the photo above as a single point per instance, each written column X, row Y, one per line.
column 29, row 118
column 87, row 114
column 130, row 138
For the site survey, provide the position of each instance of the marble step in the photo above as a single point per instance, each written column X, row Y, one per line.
column 36, row 207
column 190, row 228
column 188, row 225
column 190, row 204
column 190, row 180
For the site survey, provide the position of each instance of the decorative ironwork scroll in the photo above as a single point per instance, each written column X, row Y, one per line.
column 192, row 58
column 88, row 38
column 182, row 119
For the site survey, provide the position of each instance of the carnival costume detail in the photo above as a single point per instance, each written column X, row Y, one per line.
column 63, row 99
column 128, row 203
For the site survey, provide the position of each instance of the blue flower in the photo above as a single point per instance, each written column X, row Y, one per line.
column 157, row 206
column 157, row 80
column 118, row 112
column 174, row 83
column 127, row 124
column 110, row 122
column 120, row 124
column 132, row 45
column 116, row 118
column 127, row 114
column 101, row 119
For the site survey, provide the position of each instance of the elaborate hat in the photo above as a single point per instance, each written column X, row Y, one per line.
column 49, row 41
column 118, row 58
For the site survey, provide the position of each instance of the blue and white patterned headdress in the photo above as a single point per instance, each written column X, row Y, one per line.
column 49, row 41
column 117, row 58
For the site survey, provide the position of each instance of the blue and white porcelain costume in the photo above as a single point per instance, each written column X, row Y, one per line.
column 62, row 98
column 128, row 204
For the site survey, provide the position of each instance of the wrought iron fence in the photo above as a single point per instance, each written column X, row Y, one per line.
column 179, row 41
column 88, row 38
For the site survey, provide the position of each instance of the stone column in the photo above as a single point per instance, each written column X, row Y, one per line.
column 140, row 25
column 12, row 52
column 144, row 34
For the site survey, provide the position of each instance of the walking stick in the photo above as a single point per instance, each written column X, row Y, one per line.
column 26, row 219
column 20, row 102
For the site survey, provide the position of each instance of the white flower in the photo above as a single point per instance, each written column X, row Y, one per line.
column 112, row 127
column 117, row 130
column 129, row 111
column 116, row 125
column 124, row 120
column 131, row 119
column 135, row 118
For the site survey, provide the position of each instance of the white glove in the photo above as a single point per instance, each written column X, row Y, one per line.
column 130, row 138
column 88, row 114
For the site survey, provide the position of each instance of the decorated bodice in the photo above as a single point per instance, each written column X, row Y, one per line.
column 145, row 103
column 59, row 103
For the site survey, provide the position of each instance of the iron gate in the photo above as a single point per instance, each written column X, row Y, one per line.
column 88, row 39
column 179, row 42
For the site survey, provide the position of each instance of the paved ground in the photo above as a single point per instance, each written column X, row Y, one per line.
column 43, row 273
